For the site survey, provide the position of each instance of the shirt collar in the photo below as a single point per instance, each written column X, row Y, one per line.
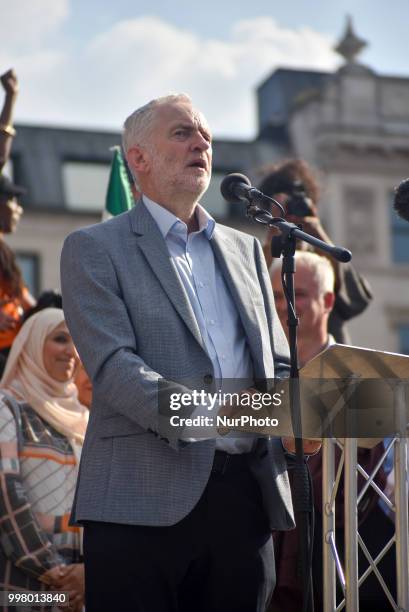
column 168, row 222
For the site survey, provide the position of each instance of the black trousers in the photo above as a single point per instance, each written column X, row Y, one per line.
column 219, row 558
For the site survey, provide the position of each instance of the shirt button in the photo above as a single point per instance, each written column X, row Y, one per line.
column 201, row 284
column 212, row 321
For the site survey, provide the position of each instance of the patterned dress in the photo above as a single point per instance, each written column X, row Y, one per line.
column 37, row 478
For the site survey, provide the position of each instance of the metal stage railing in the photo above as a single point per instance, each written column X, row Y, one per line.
column 348, row 576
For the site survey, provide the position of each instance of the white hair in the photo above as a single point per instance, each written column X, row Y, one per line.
column 320, row 267
column 138, row 125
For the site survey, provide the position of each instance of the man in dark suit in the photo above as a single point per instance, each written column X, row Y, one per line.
column 174, row 520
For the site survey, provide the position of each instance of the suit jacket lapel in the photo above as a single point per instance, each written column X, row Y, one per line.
column 236, row 274
column 153, row 245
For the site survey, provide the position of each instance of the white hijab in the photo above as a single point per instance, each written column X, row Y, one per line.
column 26, row 378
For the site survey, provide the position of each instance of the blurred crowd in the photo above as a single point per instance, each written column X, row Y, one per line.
column 45, row 396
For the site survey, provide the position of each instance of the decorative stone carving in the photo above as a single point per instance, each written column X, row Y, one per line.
column 350, row 45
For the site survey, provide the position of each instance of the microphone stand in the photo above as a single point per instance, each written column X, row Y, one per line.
column 285, row 245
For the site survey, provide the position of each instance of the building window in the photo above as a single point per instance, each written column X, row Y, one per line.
column 30, row 268
column 213, row 200
column 85, row 185
column 403, row 334
column 399, row 237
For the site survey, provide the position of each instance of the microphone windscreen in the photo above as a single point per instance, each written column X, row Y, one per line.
column 401, row 199
column 228, row 184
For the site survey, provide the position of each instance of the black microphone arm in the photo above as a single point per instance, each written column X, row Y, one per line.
column 236, row 187
column 338, row 253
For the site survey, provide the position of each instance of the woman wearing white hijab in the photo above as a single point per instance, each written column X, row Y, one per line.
column 42, row 428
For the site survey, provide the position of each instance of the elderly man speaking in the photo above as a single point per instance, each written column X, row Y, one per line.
column 163, row 295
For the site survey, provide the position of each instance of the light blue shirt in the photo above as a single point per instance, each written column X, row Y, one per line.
column 216, row 313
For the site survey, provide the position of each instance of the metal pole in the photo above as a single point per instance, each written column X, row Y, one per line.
column 401, row 500
column 351, row 525
column 328, row 524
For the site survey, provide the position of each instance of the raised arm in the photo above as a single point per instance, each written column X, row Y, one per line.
column 7, row 131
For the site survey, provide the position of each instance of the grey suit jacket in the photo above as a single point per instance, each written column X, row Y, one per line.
column 133, row 324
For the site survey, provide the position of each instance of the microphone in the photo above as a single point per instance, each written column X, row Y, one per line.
column 401, row 199
column 238, row 187
column 235, row 187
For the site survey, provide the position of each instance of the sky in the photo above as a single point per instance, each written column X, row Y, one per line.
column 90, row 63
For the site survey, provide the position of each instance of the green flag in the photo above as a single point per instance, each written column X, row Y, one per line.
column 119, row 195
